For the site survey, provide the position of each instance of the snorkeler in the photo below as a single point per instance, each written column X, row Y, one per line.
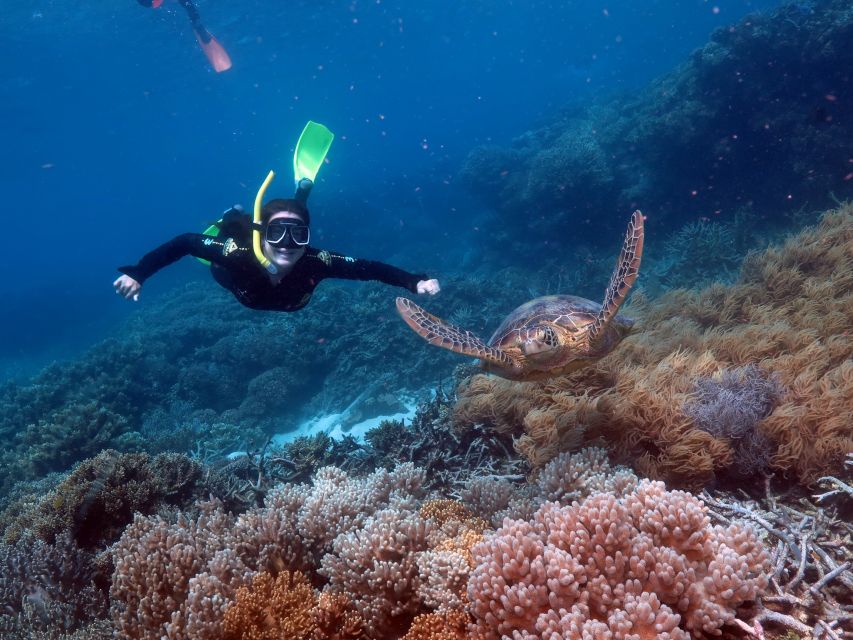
column 265, row 259
column 216, row 54
column 298, row 267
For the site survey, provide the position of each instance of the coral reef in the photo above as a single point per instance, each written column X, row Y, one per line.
column 678, row 398
column 346, row 558
column 97, row 500
column 753, row 119
column 216, row 380
column 48, row 587
column 176, row 578
column 696, row 255
column 649, row 561
column 568, row 477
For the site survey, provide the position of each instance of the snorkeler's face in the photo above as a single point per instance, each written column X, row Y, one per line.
column 285, row 254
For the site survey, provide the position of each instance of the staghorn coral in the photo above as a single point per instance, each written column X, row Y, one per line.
column 272, row 608
column 606, row 565
column 789, row 313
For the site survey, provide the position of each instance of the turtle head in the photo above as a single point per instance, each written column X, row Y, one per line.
column 540, row 342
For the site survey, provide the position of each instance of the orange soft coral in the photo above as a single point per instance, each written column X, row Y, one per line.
column 789, row 314
column 336, row 619
column 433, row 626
column 272, row 608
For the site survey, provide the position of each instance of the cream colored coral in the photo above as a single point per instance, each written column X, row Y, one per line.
column 443, row 579
column 376, row 567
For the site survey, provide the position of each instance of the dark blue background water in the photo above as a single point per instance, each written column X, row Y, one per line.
column 117, row 135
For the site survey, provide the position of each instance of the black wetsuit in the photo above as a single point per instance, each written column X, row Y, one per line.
column 234, row 266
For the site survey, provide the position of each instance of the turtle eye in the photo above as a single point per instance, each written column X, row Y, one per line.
column 548, row 336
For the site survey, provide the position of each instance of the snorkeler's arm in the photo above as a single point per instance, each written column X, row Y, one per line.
column 338, row 266
column 192, row 244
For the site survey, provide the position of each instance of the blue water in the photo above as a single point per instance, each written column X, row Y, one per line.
column 118, row 136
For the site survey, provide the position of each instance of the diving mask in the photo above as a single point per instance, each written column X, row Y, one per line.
column 277, row 231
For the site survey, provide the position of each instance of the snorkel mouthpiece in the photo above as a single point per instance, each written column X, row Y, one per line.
column 256, row 228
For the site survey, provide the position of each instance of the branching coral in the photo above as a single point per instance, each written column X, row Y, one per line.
column 788, row 314
column 335, row 619
column 648, row 561
column 47, row 587
column 445, row 567
column 375, row 565
column 163, row 570
column 176, row 579
column 575, row 476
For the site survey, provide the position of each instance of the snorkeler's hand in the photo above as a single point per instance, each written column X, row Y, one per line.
column 429, row 286
column 127, row 287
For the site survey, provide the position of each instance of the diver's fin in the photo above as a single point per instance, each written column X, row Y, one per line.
column 627, row 268
column 311, row 150
column 441, row 334
column 216, row 54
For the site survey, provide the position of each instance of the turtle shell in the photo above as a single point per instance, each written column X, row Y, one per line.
column 573, row 313
column 565, row 311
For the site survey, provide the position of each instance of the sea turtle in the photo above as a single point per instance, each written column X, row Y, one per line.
column 547, row 336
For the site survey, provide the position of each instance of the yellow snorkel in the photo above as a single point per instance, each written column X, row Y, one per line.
column 256, row 227
column 310, row 153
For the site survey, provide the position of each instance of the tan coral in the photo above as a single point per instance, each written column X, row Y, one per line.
column 335, row 619
column 443, row 510
column 271, row 608
column 451, row 625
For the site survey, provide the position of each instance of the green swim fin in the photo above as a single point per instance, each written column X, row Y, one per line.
column 311, row 150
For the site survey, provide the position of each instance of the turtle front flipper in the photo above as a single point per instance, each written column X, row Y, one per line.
column 441, row 334
column 627, row 268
